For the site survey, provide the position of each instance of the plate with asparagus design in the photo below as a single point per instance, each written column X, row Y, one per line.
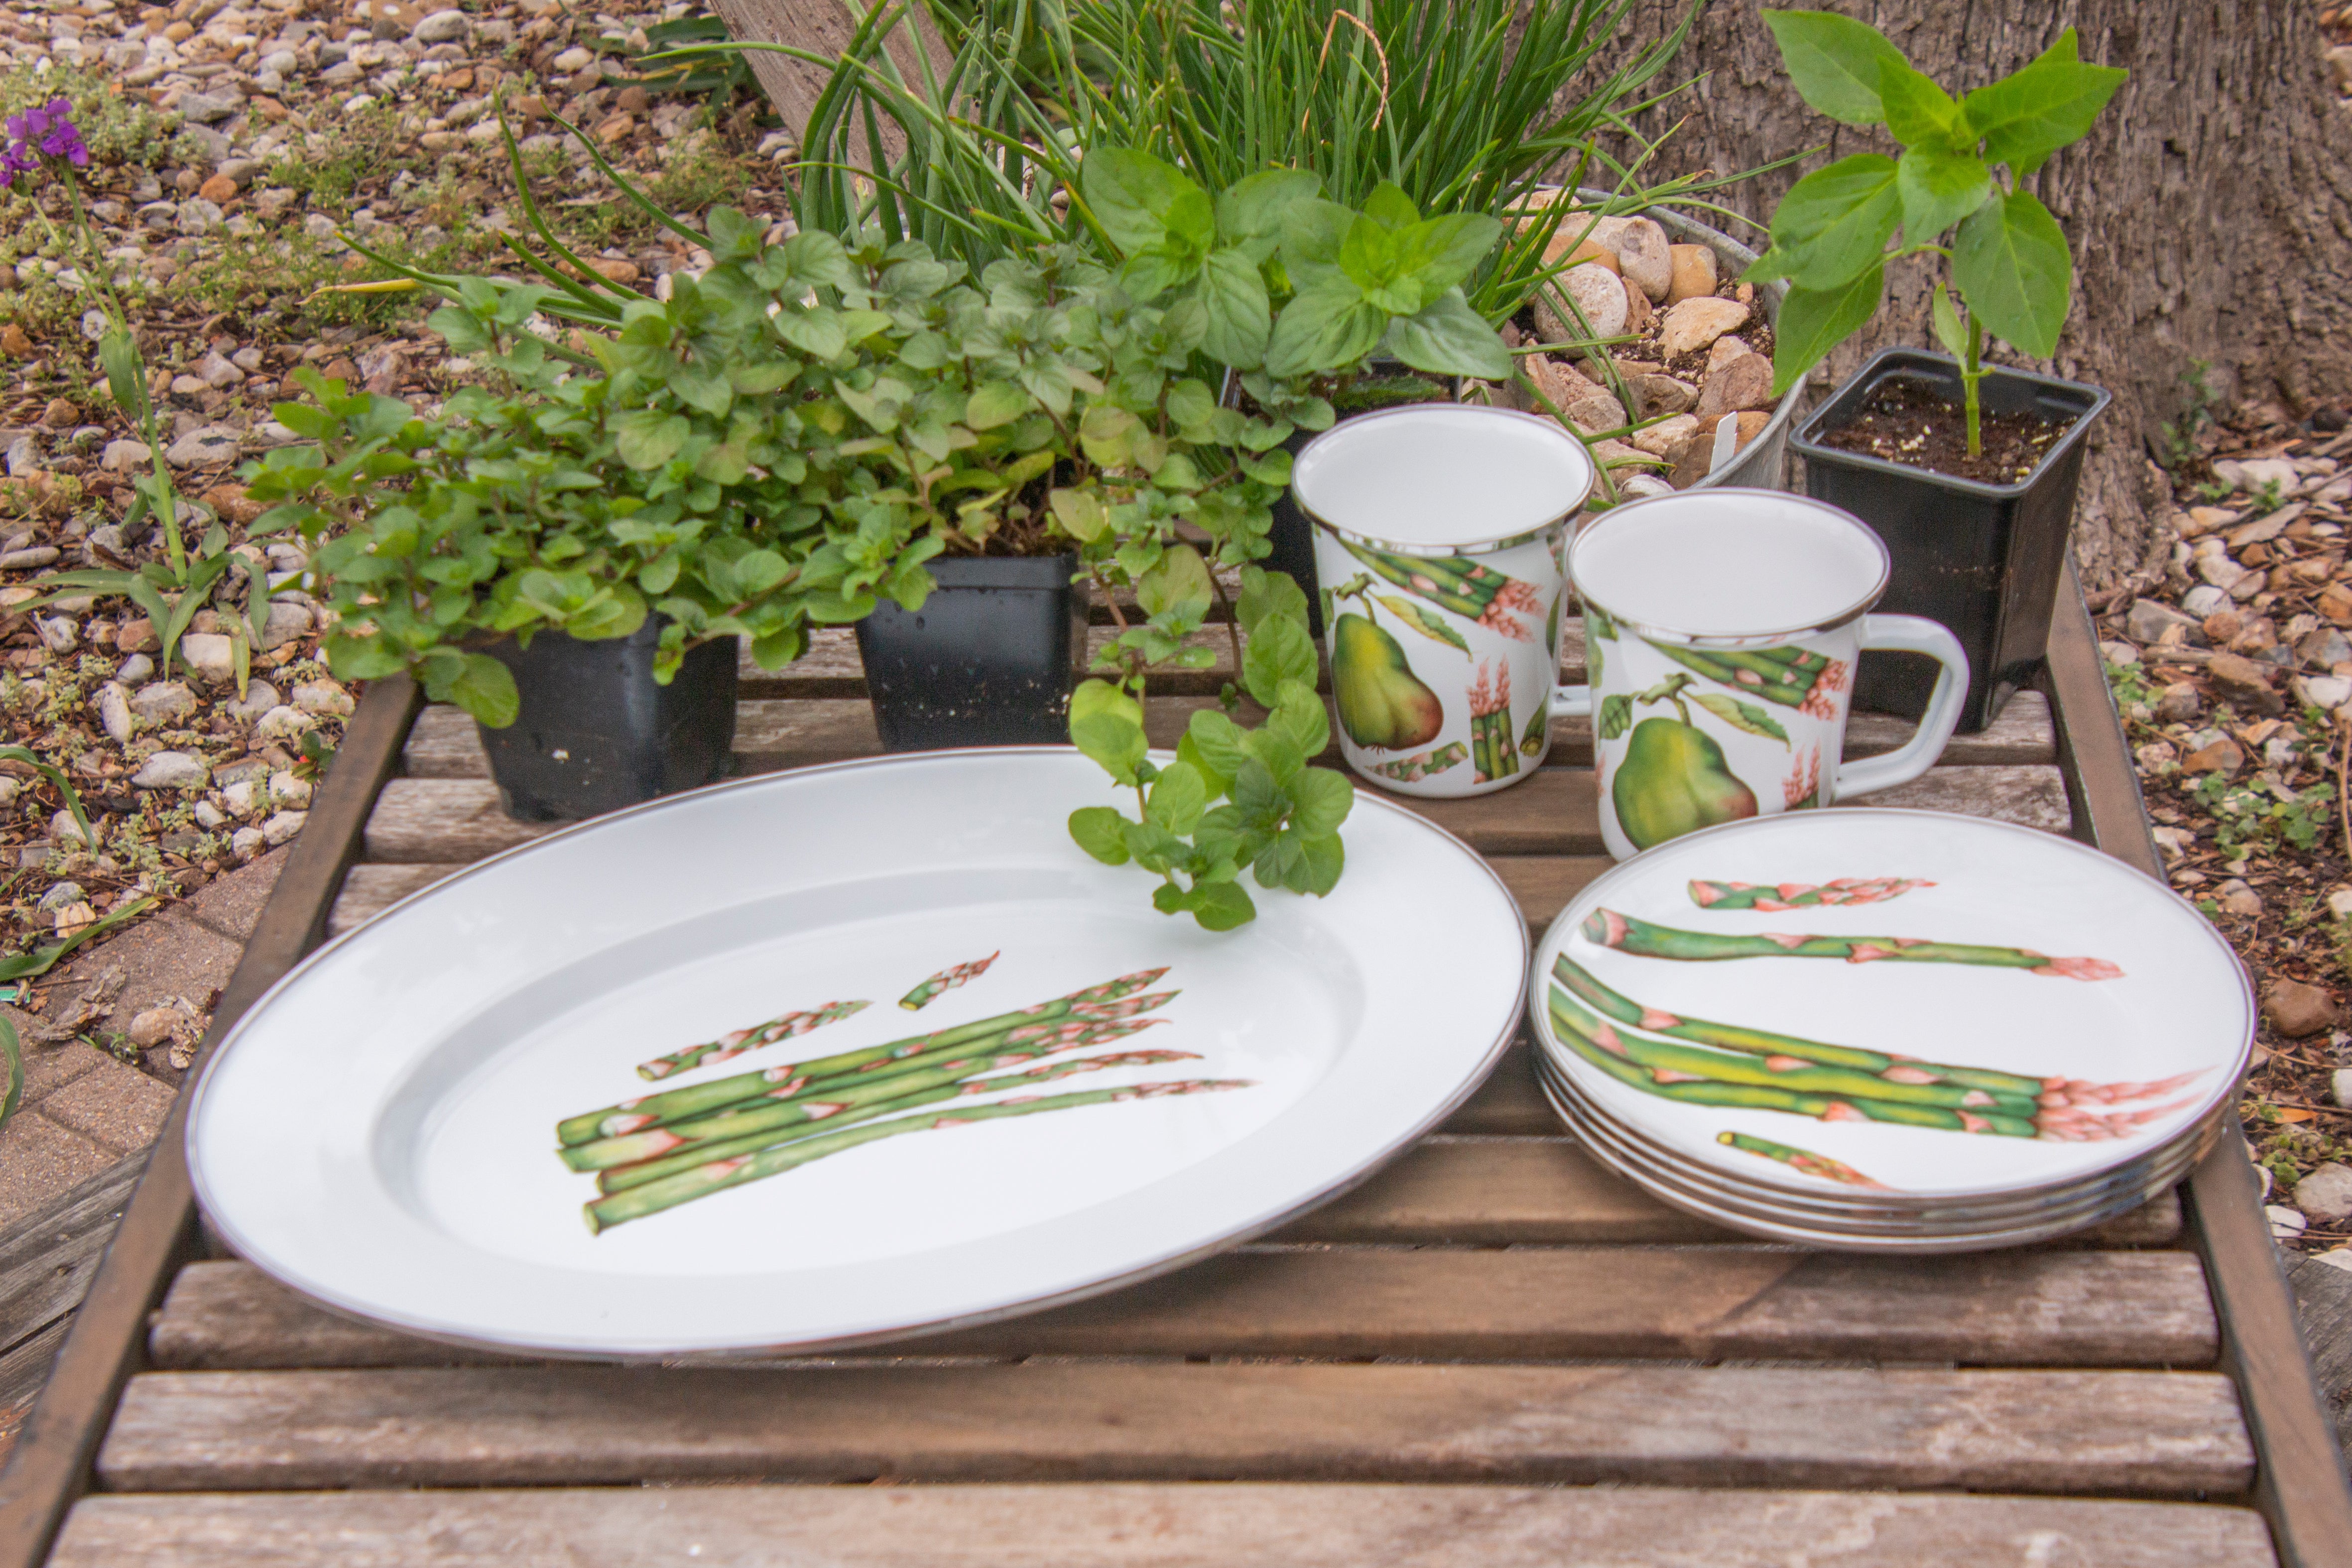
column 832, row 1057
column 1883, row 1022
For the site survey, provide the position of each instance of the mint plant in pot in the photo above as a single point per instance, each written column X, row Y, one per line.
column 572, row 554
column 1968, row 470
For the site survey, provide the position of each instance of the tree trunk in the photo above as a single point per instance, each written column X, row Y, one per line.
column 826, row 27
column 2210, row 209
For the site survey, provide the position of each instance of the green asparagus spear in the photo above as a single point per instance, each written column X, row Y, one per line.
column 726, row 1047
column 1639, row 937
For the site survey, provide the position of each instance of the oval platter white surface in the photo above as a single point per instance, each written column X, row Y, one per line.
column 1902, row 1005
column 380, row 1132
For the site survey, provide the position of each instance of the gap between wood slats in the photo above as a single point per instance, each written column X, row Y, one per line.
column 1753, row 1302
column 1127, row 1525
column 1555, row 812
column 2129, row 1434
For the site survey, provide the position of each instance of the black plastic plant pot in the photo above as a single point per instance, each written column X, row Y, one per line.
column 1984, row 559
column 988, row 660
column 597, row 733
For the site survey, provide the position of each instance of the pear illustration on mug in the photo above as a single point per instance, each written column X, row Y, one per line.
column 1674, row 779
column 1382, row 702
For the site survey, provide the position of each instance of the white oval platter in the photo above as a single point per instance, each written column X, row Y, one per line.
column 2016, row 1013
column 380, row 1132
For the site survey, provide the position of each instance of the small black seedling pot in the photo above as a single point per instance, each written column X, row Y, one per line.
column 1983, row 560
column 596, row 732
column 988, row 660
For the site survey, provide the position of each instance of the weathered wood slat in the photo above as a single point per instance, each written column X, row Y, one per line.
column 773, row 734
column 2047, row 1308
column 369, row 889
column 47, row 1262
column 1130, row 1525
column 2134, row 1434
column 1555, row 812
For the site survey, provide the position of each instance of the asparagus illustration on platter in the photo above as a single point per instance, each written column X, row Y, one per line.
column 907, row 1096
column 728, row 1047
column 1459, row 583
column 1101, row 1003
column 1629, row 933
column 819, row 1098
column 1772, row 898
column 1802, row 1160
column 947, row 980
column 1421, row 764
column 718, row 1175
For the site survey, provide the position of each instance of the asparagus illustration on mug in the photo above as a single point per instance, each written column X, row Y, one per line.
column 1490, row 597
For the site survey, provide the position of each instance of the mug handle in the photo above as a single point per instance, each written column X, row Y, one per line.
column 1911, row 634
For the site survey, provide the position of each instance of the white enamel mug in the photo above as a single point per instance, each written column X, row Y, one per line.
column 1441, row 531
column 1722, row 629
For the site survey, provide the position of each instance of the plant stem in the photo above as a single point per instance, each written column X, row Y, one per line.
column 1972, row 372
column 719, row 1175
column 1639, row 937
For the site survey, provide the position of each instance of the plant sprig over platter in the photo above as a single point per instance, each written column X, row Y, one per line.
column 2009, row 259
column 1236, row 799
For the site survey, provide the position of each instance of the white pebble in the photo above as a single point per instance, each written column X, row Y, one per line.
column 246, row 843
column 281, row 827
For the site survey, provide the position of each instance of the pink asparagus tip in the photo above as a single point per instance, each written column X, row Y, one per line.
column 2079, row 969
column 1785, row 1064
column 1605, row 927
column 1865, row 952
column 1668, row 1075
column 1654, row 1018
column 613, row 1126
column 1839, row 1111
column 1909, row 1075
column 1606, row 1039
column 1791, row 940
column 1704, row 894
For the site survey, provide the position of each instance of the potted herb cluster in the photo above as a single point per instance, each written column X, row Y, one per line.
column 1967, row 470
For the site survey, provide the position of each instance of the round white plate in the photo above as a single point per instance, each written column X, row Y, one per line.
column 378, row 1132
column 2130, row 990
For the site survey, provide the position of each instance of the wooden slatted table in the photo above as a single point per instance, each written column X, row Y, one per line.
column 1492, row 1353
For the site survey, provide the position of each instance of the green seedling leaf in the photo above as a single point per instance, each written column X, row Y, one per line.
column 1240, row 317
column 1835, row 62
column 1178, row 798
column 1836, row 221
column 1265, row 593
column 1949, row 329
column 1322, row 329
column 1741, row 716
column 1180, row 580
column 10, row 1049
column 1938, row 189
column 1320, row 801
column 486, row 689
column 1097, row 829
column 1428, row 622
column 2011, row 264
column 1279, row 650
column 1918, row 112
column 1130, row 193
column 1218, row 741
column 1814, row 321
column 1250, row 211
column 1446, row 338
column 1080, row 513
column 41, row 960
column 2049, row 104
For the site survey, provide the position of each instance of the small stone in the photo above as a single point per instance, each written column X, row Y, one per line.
column 59, row 896
column 209, row 815
column 122, row 456
column 15, row 342
column 1570, row 243
column 1663, row 438
column 1724, row 349
column 1644, row 256
column 1745, row 383
column 445, row 28
column 1594, row 412
column 1697, row 460
column 2221, row 757
column 2174, row 843
column 2178, row 703
column 2219, row 570
column 28, row 559
column 1694, row 272
column 2121, row 654
column 2334, row 602
column 219, row 189
column 260, row 697
column 114, row 712
column 2285, row 1223
column 1594, row 289
column 156, row 1026
column 288, row 623
column 2325, row 693
column 2339, row 904
column 241, row 796
column 323, row 697
column 573, row 60
column 286, row 789
column 2340, row 1087
column 2326, row 1194
column 1696, row 323
column 1660, row 396
column 247, row 842
column 2257, row 474
column 208, row 653
column 613, row 269
column 170, row 770
column 136, row 635
column 203, row 447
column 282, row 826
column 2325, row 648
column 63, row 830
column 244, row 770
column 2222, row 625
column 216, row 372
column 282, row 723
column 2336, row 1257
column 163, row 702
column 60, row 415
column 2202, row 600
column 2244, row 683
column 1638, row 308
column 59, row 635
column 2295, row 1009
column 2237, row 898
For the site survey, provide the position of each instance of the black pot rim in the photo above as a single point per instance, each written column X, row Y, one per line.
column 1805, row 438
column 1054, row 571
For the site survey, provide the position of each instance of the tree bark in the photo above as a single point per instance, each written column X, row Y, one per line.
column 826, row 27
column 2209, row 210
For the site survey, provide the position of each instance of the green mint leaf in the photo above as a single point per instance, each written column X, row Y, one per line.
column 485, row 689
column 1320, row 800
column 1279, row 650
column 2011, row 264
column 996, row 403
column 1241, row 319
column 2049, row 104
column 1250, row 211
column 1264, row 592
column 1834, row 62
column 1446, row 338
column 1132, row 196
column 1221, row 905
column 1282, row 760
column 1442, row 252
column 1390, row 207
column 1177, row 800
column 1218, row 741
column 1106, row 724
column 1299, row 718
column 1180, row 580
column 647, row 439
column 1938, row 189
column 1095, row 828
column 1814, row 321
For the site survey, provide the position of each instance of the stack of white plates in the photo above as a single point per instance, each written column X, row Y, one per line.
column 1890, row 1030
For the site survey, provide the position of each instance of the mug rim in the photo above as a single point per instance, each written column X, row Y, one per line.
column 1472, row 546
column 1834, row 623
